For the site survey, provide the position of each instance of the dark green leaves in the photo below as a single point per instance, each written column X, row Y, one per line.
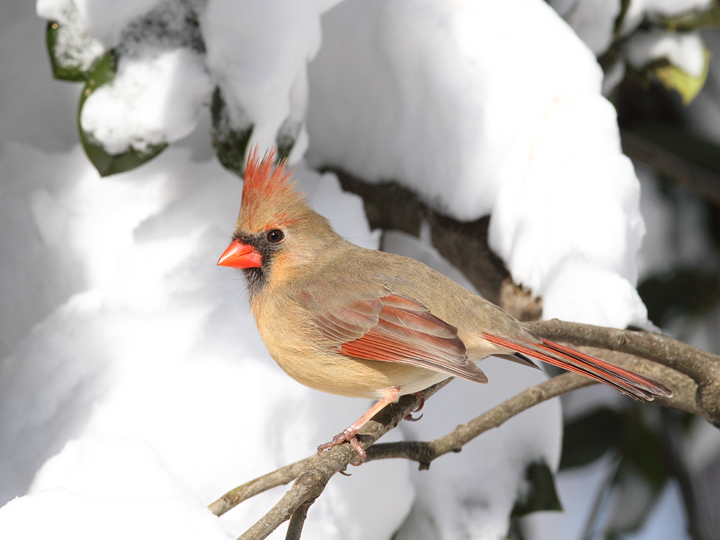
column 230, row 144
column 590, row 437
column 107, row 164
column 145, row 48
column 61, row 70
column 638, row 471
column 541, row 494
column 72, row 55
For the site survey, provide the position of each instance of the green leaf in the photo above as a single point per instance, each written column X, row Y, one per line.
column 108, row 164
column 688, row 86
column 643, row 451
column 230, row 144
column 588, row 438
column 69, row 65
column 541, row 495
column 60, row 69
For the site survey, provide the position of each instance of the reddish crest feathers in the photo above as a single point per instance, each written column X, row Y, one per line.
column 268, row 196
column 264, row 178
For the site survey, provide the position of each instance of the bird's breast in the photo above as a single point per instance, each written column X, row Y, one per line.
column 300, row 349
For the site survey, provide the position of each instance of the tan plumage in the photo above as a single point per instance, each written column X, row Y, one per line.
column 363, row 323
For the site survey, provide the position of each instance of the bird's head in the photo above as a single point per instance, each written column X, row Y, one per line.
column 276, row 230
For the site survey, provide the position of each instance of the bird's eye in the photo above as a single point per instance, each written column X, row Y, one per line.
column 275, row 236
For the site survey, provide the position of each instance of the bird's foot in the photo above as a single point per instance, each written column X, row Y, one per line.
column 349, row 435
column 421, row 396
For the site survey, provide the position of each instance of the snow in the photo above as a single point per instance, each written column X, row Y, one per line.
column 54, row 10
column 106, row 20
column 641, row 9
column 60, row 513
column 262, row 78
column 543, row 164
column 399, row 60
column 134, row 388
column 562, row 232
column 592, row 20
column 154, row 350
column 428, row 106
column 74, row 47
column 577, row 488
column 152, row 100
column 684, row 50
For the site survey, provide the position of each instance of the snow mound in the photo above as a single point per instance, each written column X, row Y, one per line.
column 435, row 96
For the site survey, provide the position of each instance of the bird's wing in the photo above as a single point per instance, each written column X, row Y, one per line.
column 393, row 328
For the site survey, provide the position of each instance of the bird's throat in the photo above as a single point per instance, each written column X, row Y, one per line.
column 256, row 280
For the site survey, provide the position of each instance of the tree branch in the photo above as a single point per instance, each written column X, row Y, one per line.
column 283, row 475
column 426, row 452
column 700, row 366
column 312, row 481
column 693, row 375
column 297, row 521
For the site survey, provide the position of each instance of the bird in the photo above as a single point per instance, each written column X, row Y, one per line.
column 363, row 323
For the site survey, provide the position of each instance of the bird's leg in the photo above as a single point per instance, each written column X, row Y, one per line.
column 421, row 396
column 349, row 435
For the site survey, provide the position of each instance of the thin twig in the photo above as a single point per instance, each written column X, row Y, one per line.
column 283, row 475
column 425, row 452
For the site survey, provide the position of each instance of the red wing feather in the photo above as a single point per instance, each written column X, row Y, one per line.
column 623, row 380
column 396, row 329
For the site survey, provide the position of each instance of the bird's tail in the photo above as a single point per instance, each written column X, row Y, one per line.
column 628, row 382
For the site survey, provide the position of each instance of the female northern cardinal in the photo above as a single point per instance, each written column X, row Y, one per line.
column 363, row 323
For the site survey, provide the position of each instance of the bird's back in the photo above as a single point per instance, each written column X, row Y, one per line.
column 369, row 272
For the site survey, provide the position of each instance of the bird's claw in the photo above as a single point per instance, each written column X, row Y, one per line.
column 409, row 417
column 346, row 436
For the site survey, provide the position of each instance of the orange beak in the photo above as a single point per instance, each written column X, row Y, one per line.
column 239, row 255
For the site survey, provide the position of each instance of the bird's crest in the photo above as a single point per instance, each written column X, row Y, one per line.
column 269, row 196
